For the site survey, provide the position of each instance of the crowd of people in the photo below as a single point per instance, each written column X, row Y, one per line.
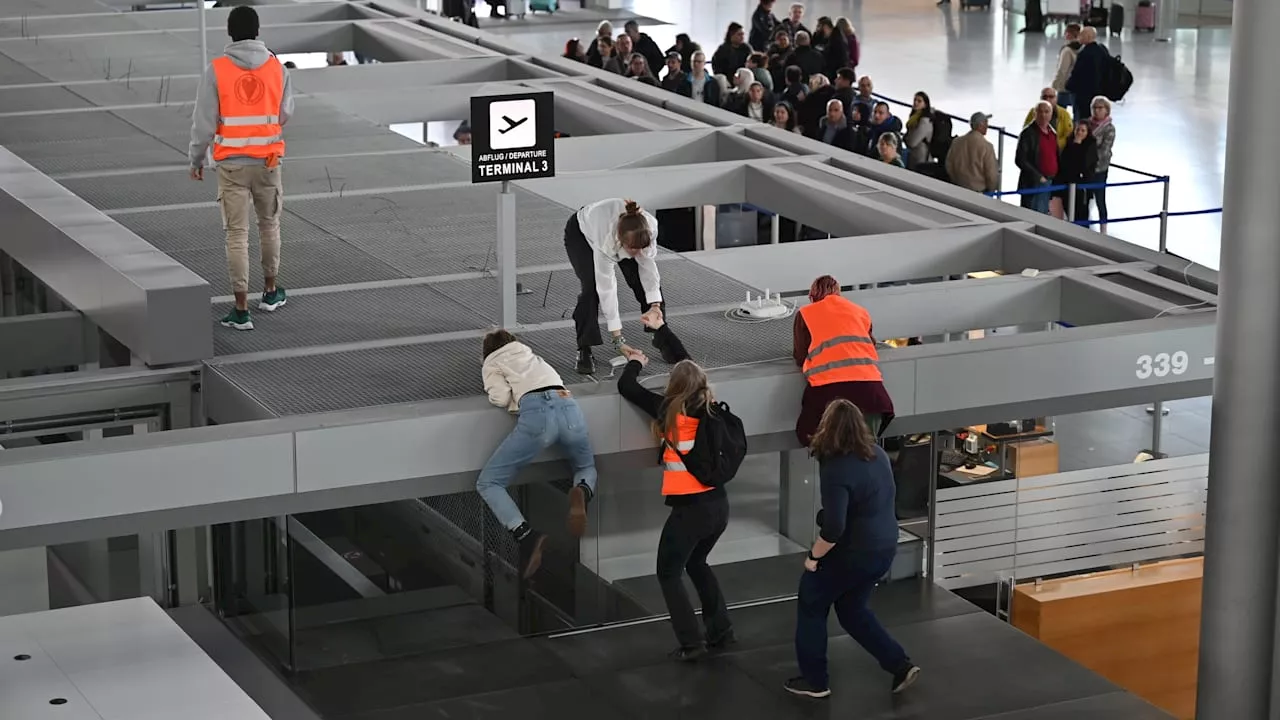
column 779, row 72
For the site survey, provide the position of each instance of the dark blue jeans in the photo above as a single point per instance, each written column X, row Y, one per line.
column 846, row 583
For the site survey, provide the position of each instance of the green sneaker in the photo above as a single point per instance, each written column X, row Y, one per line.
column 271, row 301
column 238, row 320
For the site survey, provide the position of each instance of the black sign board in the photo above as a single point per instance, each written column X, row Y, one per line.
column 513, row 137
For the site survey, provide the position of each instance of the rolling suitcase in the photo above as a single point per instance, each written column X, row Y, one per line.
column 1097, row 16
column 1144, row 19
column 1116, row 21
column 543, row 5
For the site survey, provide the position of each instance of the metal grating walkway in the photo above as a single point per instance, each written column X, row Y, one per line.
column 449, row 369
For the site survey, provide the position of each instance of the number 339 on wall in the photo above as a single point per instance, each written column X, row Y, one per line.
column 1162, row 364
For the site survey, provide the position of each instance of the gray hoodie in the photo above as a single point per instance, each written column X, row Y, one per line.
column 248, row 54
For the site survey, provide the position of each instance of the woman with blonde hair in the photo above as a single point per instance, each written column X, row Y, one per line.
column 699, row 514
column 854, row 550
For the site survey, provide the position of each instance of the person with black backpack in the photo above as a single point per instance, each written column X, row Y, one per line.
column 703, row 445
column 854, row 550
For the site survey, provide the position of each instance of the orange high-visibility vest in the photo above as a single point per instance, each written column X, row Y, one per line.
column 840, row 345
column 248, row 110
column 676, row 479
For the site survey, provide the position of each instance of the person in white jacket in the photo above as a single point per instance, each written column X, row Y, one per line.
column 599, row 236
column 519, row 380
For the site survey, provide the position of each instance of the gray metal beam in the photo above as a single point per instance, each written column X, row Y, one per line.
column 48, row 340
column 356, row 457
column 43, row 396
column 139, row 295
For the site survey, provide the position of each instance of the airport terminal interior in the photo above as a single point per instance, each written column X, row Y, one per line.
column 282, row 523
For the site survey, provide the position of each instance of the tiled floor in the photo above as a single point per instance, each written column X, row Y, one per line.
column 1172, row 122
column 974, row 667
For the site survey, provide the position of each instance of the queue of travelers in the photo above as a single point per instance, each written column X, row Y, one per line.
column 781, row 73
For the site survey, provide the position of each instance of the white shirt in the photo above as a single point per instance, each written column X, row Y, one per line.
column 599, row 223
column 513, row 370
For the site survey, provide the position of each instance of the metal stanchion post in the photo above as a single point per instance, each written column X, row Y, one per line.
column 1071, row 202
column 1000, row 158
column 1164, row 218
column 204, row 37
column 931, row 555
column 1157, row 427
column 506, row 251
column 775, row 229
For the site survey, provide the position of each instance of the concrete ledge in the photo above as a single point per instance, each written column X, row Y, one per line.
column 142, row 297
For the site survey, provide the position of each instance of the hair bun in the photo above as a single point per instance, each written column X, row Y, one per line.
column 632, row 208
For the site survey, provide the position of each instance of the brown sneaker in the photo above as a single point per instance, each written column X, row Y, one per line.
column 578, row 511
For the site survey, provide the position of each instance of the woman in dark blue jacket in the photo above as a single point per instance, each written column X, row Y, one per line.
column 854, row 550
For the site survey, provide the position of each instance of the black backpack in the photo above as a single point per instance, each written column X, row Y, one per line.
column 718, row 448
column 940, row 142
column 1116, row 79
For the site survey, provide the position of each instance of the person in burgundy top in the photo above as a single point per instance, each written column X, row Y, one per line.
column 1037, row 157
column 834, row 347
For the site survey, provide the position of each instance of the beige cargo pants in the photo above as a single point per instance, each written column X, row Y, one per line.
column 240, row 188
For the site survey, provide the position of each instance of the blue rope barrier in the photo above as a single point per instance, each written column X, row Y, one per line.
column 1087, row 223
column 1185, row 213
column 1080, row 186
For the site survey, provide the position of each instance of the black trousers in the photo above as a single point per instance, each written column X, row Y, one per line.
column 687, row 539
column 586, row 314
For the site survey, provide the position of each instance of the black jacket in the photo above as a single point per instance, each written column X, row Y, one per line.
column 1027, row 158
column 650, row 403
column 792, row 28
column 1077, row 163
column 835, row 55
column 844, row 137
column 710, row 90
column 814, row 108
column 778, row 65
column 1086, row 76
column 651, row 52
column 728, row 59
column 739, row 104
column 809, row 61
column 673, row 81
column 763, row 23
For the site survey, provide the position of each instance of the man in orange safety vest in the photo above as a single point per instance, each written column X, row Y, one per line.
column 244, row 100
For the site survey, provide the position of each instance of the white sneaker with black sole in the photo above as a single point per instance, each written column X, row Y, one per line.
column 802, row 687
column 905, row 679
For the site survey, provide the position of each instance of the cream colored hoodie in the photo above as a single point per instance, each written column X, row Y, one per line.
column 513, row 370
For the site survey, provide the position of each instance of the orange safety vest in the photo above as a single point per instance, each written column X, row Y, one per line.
column 248, row 109
column 840, row 345
column 676, row 479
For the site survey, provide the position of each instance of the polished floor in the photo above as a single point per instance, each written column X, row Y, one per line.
column 1173, row 121
column 975, row 667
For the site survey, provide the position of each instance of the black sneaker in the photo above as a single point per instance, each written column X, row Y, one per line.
column 723, row 642
column 586, row 362
column 904, row 678
column 688, row 654
column 578, row 511
column 800, row 686
column 531, row 553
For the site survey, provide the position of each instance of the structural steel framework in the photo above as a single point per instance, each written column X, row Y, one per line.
column 367, row 387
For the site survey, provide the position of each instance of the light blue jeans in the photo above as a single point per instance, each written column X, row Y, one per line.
column 547, row 418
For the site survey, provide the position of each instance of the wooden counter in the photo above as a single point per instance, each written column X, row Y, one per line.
column 1139, row 629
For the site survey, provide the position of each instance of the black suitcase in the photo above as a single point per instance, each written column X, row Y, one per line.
column 1116, row 21
column 1097, row 15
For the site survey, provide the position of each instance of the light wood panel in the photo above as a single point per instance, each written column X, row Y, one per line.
column 1140, row 629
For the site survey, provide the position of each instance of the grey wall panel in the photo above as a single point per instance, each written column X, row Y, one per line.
column 833, row 209
column 1080, row 363
column 135, row 293
column 143, row 479
column 654, row 189
column 791, row 267
column 48, row 340
column 960, row 305
column 1023, row 249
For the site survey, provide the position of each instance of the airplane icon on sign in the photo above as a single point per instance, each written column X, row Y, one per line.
column 511, row 124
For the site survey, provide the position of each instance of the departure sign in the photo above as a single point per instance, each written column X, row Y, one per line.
column 512, row 137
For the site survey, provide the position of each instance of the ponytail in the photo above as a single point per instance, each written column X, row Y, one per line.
column 633, row 229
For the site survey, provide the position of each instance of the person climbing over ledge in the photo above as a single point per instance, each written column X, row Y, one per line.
column 598, row 237
column 519, row 380
column 244, row 100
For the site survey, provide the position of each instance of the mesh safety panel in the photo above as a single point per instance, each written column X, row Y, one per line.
column 308, row 263
column 13, row 72
column 25, row 99
column 552, row 295
column 201, row 228
column 51, row 128
column 350, row 316
column 431, row 371
column 80, row 155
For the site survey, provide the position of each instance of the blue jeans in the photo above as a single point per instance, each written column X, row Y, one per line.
column 1100, row 196
column 1037, row 201
column 546, row 418
column 846, row 583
